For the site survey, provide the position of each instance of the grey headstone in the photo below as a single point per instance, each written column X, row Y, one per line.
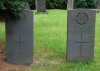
column 40, row 5
column 81, row 31
column 70, row 4
column 19, row 39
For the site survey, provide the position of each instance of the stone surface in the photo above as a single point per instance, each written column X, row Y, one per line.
column 81, row 33
column 70, row 4
column 40, row 5
column 19, row 39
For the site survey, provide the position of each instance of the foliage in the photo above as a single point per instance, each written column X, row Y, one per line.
column 85, row 3
column 56, row 4
column 10, row 8
column 32, row 4
column 62, row 4
column 51, row 4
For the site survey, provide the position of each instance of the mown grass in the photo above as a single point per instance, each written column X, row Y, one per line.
column 2, row 31
column 50, row 35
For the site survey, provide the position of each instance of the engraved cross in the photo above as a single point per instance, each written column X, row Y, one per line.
column 20, row 42
column 81, row 45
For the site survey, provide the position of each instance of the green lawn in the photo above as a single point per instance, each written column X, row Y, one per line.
column 50, row 34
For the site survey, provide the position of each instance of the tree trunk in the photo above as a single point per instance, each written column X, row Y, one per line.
column 70, row 4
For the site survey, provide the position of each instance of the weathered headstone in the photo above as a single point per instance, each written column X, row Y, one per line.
column 70, row 4
column 40, row 5
column 81, row 32
column 19, row 39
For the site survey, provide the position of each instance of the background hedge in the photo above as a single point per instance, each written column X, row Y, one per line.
column 85, row 3
column 10, row 9
column 62, row 4
column 51, row 4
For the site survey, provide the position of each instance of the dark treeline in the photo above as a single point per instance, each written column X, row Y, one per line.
column 51, row 4
column 62, row 4
column 85, row 4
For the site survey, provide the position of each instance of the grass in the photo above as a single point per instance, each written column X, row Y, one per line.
column 2, row 31
column 50, row 34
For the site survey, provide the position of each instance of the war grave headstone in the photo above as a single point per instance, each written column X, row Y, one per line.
column 40, row 5
column 19, row 39
column 70, row 4
column 81, row 33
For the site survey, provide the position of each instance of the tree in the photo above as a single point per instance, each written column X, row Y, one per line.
column 10, row 9
column 85, row 4
column 70, row 4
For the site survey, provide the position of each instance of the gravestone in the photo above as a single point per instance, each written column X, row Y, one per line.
column 70, row 4
column 40, row 5
column 19, row 39
column 81, row 33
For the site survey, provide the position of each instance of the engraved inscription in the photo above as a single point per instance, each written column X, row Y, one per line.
column 81, row 42
column 20, row 42
column 81, row 18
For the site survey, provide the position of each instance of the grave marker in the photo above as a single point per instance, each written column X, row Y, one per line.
column 19, row 39
column 81, row 32
column 40, row 5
